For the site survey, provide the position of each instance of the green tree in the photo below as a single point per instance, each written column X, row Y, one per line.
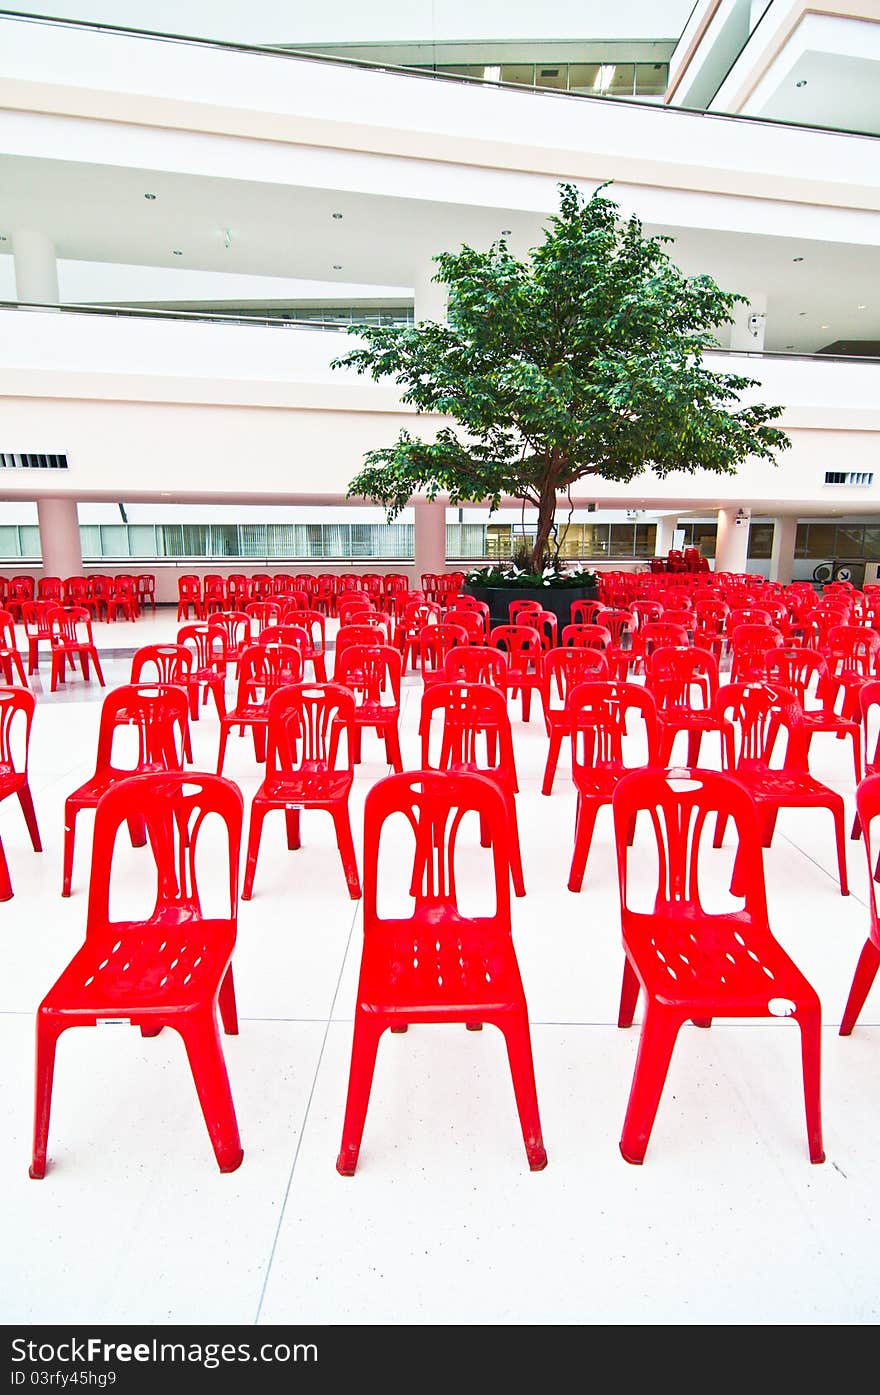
column 583, row 361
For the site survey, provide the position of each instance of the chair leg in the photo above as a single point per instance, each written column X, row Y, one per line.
column 221, row 748
column 137, row 830
column 810, row 1022
column 70, row 813
column 201, row 1038
column 583, row 836
column 522, row 1071
column 26, row 800
column 863, row 979
column 259, row 735
column 840, row 839
column 392, row 748
column 5, row 880
column 656, row 1042
column 48, row 1032
column 345, row 843
column 364, row 1047
column 227, row 1005
column 552, row 760
column 629, row 995
column 258, row 813
column 291, row 819
column 516, row 868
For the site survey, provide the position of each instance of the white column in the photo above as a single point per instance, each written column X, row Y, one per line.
column 782, row 554
column 732, row 545
column 744, row 335
column 36, row 270
column 59, row 537
column 429, row 298
column 430, row 538
column 665, row 533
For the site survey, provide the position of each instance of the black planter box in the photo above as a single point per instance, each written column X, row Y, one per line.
column 558, row 599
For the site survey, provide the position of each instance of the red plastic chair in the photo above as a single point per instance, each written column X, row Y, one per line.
column 394, row 584
column 123, row 599
column 50, row 588
column 10, row 658
column 143, row 729
column 235, row 626
column 75, row 591
column 587, row 612
column 208, row 672
column 689, row 963
column 750, row 642
column 304, row 770
column 213, row 594
column 474, row 624
column 16, row 715
column 524, row 650
column 259, row 587
column 429, row 583
column 477, row 664
column 37, row 630
column 408, row 628
column 435, row 642
column 353, row 604
column 756, row 714
column 172, row 969
column 585, row 635
column 189, row 597
column 562, row 669
column 164, row 664
column 545, row 622
column 437, row 963
column 71, row 642
column 294, row 599
column 264, row 611
column 262, row 670
column 710, row 625
column 237, row 591
column 370, row 634
column 21, row 588
column 614, row 729
column 852, row 654
column 683, row 682
column 804, row 672
column 314, row 624
column 373, row 674
column 522, row 607
column 472, row 733
column 146, row 590
column 867, row 809
column 326, row 593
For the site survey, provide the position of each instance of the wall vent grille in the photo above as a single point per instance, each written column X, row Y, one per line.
column 33, row 462
column 862, row 477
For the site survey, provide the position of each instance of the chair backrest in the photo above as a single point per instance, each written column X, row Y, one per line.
column 175, row 808
column 473, row 730
column 586, row 612
column 656, row 632
column 353, row 603
column 853, row 649
column 434, row 805
column 16, row 715
column 600, row 718
column 7, row 630
column 294, row 598
column 159, row 714
column 146, row 584
column 586, row 635
column 477, row 664
column 521, row 643
column 70, row 625
column 418, row 613
column 208, row 646
column 475, row 625
column 682, row 676
column 373, row 672
column 754, row 714
column 314, row 623
column 237, row 590
column 436, row 641
column 800, row 669
column 235, row 626
column 22, row 588
column 373, row 633
column 646, row 610
column 620, row 621
column 189, row 587
column 35, row 617
column 49, row 588
column 520, row 607
column 681, row 808
column 259, row 587
column 76, row 590
column 264, row 612
column 304, row 724
column 166, row 663
column 263, row 668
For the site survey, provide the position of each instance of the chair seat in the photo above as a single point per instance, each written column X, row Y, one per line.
column 90, row 791
column 782, row 787
column 164, row 968
column 309, row 786
column 734, row 972
column 369, row 714
column 436, row 967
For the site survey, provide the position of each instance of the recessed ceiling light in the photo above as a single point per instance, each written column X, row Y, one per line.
column 149, row 196
column 789, row 346
column 802, row 312
column 505, row 232
column 802, row 83
column 861, row 307
column 824, row 326
column 336, row 215
column 2, row 237
column 337, row 266
column 177, row 252
column 797, row 259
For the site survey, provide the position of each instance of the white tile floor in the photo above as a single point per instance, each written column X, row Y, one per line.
column 727, row 1221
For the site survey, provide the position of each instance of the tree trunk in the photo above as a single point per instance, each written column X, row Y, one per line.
column 546, row 519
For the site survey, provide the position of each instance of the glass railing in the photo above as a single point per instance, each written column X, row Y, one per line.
column 433, row 73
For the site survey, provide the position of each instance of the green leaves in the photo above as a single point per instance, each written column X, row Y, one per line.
column 584, row 359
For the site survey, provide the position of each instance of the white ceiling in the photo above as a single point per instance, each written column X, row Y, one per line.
column 98, row 214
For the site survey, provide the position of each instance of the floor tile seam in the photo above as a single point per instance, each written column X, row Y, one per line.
column 329, row 1021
